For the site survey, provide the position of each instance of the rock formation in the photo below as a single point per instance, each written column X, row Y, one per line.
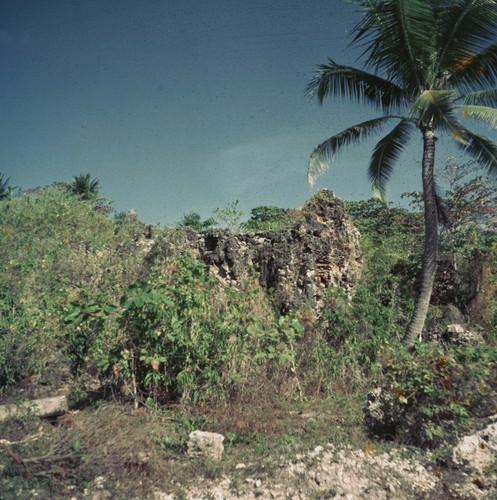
column 320, row 250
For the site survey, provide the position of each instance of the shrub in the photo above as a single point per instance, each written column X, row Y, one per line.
column 427, row 397
column 267, row 218
column 56, row 248
column 182, row 336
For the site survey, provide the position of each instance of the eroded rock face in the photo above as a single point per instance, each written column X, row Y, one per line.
column 320, row 250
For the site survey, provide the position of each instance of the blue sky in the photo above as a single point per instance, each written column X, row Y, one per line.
column 178, row 105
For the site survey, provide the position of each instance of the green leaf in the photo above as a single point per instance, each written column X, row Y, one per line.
column 336, row 80
column 482, row 113
column 326, row 152
column 432, row 107
column 76, row 445
column 103, row 364
column 71, row 316
column 398, row 41
column 482, row 149
column 385, row 155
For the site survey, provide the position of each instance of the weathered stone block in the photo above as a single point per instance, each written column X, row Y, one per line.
column 205, row 444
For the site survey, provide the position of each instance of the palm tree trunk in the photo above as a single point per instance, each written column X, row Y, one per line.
column 429, row 268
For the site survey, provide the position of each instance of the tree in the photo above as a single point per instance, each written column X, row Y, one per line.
column 195, row 222
column 428, row 64
column 471, row 200
column 85, row 187
column 5, row 189
column 267, row 218
column 230, row 217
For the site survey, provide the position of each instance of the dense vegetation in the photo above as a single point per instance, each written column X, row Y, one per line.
column 88, row 306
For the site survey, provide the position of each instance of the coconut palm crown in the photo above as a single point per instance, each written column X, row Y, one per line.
column 85, row 187
column 5, row 190
column 428, row 65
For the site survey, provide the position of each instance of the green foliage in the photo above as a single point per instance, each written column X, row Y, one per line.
column 195, row 222
column 174, row 342
column 378, row 220
column 230, row 217
column 345, row 345
column 55, row 249
column 392, row 245
column 267, row 218
column 436, row 389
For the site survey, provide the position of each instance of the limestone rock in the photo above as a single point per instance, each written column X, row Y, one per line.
column 205, row 444
column 44, row 407
column 320, row 250
column 478, row 450
column 458, row 334
column 382, row 413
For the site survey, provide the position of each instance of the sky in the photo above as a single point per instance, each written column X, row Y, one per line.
column 179, row 106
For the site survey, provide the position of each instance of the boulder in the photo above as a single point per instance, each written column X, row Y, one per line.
column 477, row 451
column 205, row 445
column 44, row 407
column 460, row 335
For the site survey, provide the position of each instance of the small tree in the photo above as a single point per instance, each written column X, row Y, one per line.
column 195, row 222
column 85, row 187
column 471, row 199
column 230, row 216
column 267, row 218
column 5, row 189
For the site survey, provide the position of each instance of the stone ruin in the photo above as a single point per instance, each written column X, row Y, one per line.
column 320, row 250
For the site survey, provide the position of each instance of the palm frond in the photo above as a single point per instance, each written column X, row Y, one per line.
column 464, row 28
column 325, row 153
column 474, row 71
column 385, row 154
column 433, row 107
column 482, row 98
column 5, row 190
column 397, row 38
column 482, row 149
column 335, row 80
column 482, row 113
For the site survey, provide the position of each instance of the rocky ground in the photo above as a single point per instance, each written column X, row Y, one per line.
column 328, row 472
column 468, row 472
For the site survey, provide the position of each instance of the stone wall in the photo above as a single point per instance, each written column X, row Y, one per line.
column 320, row 250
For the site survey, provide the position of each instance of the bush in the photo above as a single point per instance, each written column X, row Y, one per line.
column 56, row 249
column 267, row 218
column 182, row 336
column 428, row 397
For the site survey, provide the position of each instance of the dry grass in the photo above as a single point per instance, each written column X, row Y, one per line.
column 137, row 451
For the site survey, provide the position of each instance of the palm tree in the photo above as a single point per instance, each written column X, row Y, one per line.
column 85, row 187
column 428, row 64
column 5, row 189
